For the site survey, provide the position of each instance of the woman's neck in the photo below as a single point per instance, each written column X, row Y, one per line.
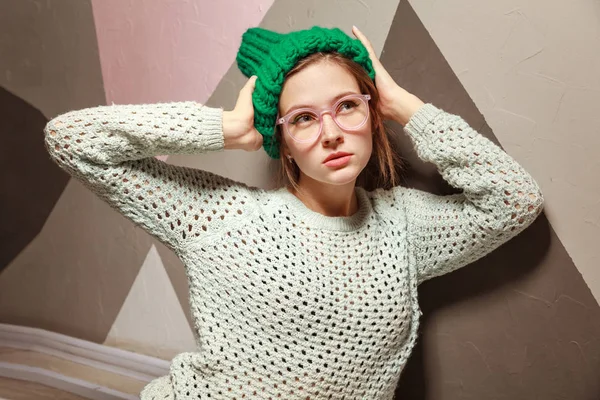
column 329, row 200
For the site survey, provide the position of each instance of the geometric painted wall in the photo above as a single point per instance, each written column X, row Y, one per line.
column 520, row 323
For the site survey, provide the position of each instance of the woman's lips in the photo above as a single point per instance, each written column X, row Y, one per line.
column 337, row 154
column 339, row 161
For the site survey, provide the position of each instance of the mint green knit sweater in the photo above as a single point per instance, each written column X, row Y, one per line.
column 288, row 303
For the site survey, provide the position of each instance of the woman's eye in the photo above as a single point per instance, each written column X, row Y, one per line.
column 347, row 105
column 302, row 118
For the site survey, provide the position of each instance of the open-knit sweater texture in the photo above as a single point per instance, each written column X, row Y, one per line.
column 287, row 302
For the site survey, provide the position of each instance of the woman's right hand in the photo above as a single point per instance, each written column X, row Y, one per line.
column 238, row 124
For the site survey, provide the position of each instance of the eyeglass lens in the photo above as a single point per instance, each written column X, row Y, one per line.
column 349, row 114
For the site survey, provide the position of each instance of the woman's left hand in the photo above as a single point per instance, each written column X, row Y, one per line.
column 395, row 103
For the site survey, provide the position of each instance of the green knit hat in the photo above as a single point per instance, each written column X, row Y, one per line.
column 270, row 56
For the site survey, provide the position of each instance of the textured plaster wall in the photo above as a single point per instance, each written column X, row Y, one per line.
column 532, row 68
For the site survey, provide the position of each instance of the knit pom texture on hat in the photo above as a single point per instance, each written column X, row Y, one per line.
column 270, row 56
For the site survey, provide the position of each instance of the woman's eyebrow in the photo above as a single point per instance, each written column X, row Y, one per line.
column 336, row 98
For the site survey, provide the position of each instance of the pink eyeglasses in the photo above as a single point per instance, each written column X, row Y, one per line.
column 306, row 124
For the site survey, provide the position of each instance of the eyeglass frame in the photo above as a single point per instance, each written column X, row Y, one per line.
column 285, row 119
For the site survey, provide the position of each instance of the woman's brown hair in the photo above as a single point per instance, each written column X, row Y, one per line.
column 381, row 171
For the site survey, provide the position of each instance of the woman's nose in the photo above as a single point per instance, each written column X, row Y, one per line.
column 331, row 131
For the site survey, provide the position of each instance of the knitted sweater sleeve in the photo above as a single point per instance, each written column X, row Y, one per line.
column 499, row 198
column 111, row 150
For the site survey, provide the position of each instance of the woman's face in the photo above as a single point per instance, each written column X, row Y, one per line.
column 319, row 86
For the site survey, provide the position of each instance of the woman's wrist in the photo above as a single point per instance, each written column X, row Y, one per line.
column 405, row 106
column 231, row 138
column 239, row 132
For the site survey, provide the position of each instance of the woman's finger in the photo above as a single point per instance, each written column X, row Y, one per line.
column 363, row 39
column 249, row 86
column 244, row 101
column 381, row 73
column 257, row 140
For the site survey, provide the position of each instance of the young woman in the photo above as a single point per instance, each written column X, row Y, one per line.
column 308, row 291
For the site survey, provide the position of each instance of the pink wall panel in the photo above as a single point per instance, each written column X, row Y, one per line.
column 158, row 50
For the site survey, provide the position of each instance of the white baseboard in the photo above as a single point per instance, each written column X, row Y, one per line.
column 122, row 362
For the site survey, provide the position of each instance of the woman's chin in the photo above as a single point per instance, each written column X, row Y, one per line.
column 342, row 176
